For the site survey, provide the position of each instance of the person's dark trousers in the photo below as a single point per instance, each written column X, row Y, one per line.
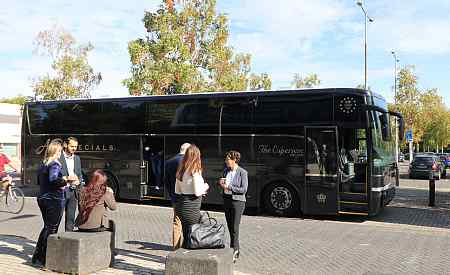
column 233, row 212
column 70, row 208
column 52, row 211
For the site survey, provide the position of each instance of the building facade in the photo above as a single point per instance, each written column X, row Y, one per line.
column 10, row 131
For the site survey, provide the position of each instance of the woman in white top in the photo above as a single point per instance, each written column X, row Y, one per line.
column 190, row 187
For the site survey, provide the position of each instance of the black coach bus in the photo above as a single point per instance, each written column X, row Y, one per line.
column 314, row 151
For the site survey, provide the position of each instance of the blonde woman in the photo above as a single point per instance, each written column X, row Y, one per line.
column 51, row 197
column 190, row 187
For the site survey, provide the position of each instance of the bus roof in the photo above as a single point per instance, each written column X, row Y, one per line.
column 309, row 91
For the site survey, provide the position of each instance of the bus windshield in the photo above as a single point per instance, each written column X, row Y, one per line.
column 383, row 150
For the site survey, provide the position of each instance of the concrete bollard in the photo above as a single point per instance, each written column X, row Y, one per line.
column 200, row 262
column 79, row 252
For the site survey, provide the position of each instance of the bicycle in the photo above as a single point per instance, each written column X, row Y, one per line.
column 13, row 198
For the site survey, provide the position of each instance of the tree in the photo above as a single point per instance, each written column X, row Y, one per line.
column 260, row 82
column 309, row 81
column 185, row 51
column 434, row 118
column 72, row 76
column 408, row 101
column 20, row 99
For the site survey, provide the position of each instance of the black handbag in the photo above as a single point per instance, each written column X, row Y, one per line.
column 207, row 234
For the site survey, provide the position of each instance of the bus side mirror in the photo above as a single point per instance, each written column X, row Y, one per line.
column 385, row 127
column 401, row 124
column 401, row 128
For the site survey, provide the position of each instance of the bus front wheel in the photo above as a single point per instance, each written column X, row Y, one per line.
column 281, row 199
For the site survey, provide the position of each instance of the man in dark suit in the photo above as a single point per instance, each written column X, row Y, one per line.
column 71, row 167
column 169, row 181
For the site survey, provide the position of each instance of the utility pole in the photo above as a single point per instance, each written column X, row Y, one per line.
column 395, row 105
column 366, row 17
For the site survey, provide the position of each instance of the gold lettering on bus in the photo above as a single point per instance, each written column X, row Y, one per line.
column 42, row 148
column 96, row 148
column 81, row 147
column 280, row 150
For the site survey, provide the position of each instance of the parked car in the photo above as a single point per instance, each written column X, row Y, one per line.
column 445, row 158
column 424, row 164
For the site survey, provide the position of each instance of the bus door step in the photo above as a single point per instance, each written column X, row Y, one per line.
column 353, row 213
column 354, row 206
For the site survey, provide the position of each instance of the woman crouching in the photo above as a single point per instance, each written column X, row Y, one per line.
column 94, row 199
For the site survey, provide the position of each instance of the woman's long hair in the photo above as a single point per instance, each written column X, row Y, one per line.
column 91, row 195
column 191, row 162
column 53, row 151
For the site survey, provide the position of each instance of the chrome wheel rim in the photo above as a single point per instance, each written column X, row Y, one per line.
column 281, row 198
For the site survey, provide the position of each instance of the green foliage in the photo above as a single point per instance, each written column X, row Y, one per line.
column 72, row 76
column 260, row 82
column 423, row 111
column 20, row 99
column 186, row 51
column 408, row 100
column 309, row 81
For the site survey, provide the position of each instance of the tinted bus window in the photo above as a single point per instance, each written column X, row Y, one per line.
column 286, row 115
column 172, row 117
column 208, row 111
column 39, row 117
column 237, row 116
column 67, row 118
column 121, row 117
column 86, row 118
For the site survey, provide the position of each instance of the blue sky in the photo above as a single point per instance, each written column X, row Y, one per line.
column 284, row 37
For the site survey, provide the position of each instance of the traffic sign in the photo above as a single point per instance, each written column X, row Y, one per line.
column 409, row 135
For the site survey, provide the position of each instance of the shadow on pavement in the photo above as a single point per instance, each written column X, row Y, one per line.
column 150, row 246
column 141, row 255
column 23, row 248
column 17, row 246
column 410, row 207
column 25, row 216
column 134, row 267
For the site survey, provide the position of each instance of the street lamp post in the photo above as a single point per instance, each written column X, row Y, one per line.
column 366, row 17
column 395, row 104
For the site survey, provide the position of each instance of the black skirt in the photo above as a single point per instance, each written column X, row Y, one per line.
column 187, row 208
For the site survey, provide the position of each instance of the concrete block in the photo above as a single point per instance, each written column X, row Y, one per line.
column 200, row 261
column 79, row 252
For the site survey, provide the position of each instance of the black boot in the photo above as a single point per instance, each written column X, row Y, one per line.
column 37, row 260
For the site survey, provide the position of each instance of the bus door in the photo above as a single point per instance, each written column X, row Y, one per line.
column 321, row 174
column 152, row 167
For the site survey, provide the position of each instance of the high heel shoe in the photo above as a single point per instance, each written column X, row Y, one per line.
column 235, row 255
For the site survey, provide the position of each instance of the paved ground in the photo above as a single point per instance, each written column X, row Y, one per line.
column 407, row 238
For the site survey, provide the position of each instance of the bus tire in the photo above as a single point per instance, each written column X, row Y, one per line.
column 281, row 199
column 113, row 183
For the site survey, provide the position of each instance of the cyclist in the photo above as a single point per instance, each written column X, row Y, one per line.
column 5, row 179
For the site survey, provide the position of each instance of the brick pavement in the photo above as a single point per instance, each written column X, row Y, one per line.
column 407, row 238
